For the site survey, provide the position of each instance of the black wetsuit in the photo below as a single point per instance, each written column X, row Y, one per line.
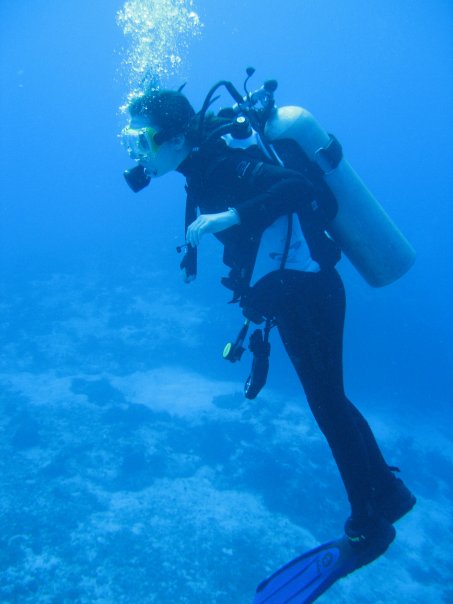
column 308, row 307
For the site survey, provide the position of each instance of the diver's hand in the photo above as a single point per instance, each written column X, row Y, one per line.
column 210, row 223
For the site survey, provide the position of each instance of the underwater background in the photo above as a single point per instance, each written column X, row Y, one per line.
column 133, row 471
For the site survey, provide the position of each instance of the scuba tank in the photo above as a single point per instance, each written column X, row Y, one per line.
column 361, row 227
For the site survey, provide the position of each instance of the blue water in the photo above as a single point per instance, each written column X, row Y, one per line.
column 132, row 469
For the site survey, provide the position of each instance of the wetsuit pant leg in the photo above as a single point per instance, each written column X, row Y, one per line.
column 310, row 310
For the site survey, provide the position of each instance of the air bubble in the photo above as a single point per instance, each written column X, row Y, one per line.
column 160, row 33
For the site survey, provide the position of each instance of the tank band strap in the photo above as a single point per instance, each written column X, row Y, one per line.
column 330, row 156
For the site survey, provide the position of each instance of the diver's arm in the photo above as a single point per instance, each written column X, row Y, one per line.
column 264, row 192
column 261, row 192
column 286, row 196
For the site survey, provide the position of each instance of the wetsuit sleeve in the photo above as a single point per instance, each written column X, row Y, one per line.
column 284, row 194
column 262, row 192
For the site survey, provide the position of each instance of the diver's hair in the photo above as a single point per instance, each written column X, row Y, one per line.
column 173, row 114
column 169, row 110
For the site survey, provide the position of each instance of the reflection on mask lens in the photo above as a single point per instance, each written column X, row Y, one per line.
column 139, row 142
column 143, row 142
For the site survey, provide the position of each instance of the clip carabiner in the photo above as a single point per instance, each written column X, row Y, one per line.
column 233, row 350
column 261, row 349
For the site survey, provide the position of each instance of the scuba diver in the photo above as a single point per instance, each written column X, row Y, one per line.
column 270, row 208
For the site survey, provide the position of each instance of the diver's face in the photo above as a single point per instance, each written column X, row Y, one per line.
column 158, row 160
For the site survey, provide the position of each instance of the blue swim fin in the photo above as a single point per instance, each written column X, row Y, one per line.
column 305, row 578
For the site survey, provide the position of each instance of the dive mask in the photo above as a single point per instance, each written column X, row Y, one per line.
column 139, row 142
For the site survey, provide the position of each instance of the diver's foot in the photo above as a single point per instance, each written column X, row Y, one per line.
column 396, row 502
column 368, row 540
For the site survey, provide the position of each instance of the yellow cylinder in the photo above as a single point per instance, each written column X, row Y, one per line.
column 362, row 228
